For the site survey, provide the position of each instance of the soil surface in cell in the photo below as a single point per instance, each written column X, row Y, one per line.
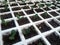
column 2, row 6
column 38, row 42
column 34, row 6
column 16, row 8
column 46, row 8
column 11, row 0
column 29, row 32
column 14, row 4
column 35, row 18
column 54, row 23
column 8, row 25
column 43, row 27
column 53, row 7
column 45, row 15
column 19, row 14
column 58, row 11
column 4, row 10
column 38, row 10
column 59, row 19
column 5, row 16
column 53, row 13
column 25, row 7
column 53, row 39
column 7, row 41
column 23, row 21
column 22, row 3
column 29, row 3
column 29, row 11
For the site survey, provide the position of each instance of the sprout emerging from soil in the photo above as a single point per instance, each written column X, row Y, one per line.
column 45, row 14
column 26, row 31
column 12, row 35
column 40, row 43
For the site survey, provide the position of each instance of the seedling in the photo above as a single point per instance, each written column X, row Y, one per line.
column 40, row 43
column 36, row 15
column 26, row 31
column 4, row 22
column 12, row 35
column 45, row 14
column 42, row 1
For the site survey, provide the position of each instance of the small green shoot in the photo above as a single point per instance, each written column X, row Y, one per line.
column 26, row 31
column 41, row 5
column 40, row 43
column 12, row 35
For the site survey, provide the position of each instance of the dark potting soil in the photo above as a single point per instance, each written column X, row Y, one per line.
column 29, row 32
column 36, row 2
column 22, row 3
column 11, row 0
column 53, row 7
column 54, row 23
column 4, row 10
column 5, row 16
column 29, row 11
column 43, row 27
column 38, row 42
column 29, row 3
column 16, row 8
column 14, row 4
column 38, row 10
column 23, row 21
column 8, row 25
column 45, row 16
column 25, row 7
column 53, row 13
column 34, row 6
column 35, row 18
column 53, row 39
column 46, row 8
column 7, row 41
column 58, row 11
column 59, row 19
column 2, row 6
column 19, row 13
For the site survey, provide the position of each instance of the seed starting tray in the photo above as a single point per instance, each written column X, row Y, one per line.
column 42, row 27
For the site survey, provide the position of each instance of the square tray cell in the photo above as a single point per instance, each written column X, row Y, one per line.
column 38, row 10
column 53, row 13
column 25, row 7
column 6, row 16
column 58, row 11
column 22, row 3
column 54, row 23
column 29, row 3
column 19, row 13
column 7, row 41
column 38, row 42
column 53, row 39
column 4, row 10
column 14, row 4
column 35, row 18
column 23, row 21
column 29, row 11
column 46, row 8
column 53, row 7
column 34, row 6
column 45, row 15
column 29, row 32
column 8, row 25
column 43, row 27
column 16, row 8
column 1, row 6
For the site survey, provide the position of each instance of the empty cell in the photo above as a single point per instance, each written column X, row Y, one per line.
column 46, row 8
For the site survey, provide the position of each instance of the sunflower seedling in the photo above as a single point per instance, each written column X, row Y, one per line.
column 12, row 35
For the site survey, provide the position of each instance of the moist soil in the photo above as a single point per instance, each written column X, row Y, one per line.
column 31, row 32
column 46, row 8
column 54, row 23
column 19, row 13
column 4, row 10
column 43, row 27
column 45, row 16
column 8, row 25
column 7, row 41
column 16, row 8
column 38, row 10
column 29, row 11
column 38, row 42
column 35, row 18
column 53, row 39
column 6, row 16
column 25, row 7
column 14, row 4
column 53, row 7
column 23, row 21
column 53, row 13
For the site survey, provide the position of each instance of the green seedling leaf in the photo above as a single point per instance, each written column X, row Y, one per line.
column 18, row 16
column 36, row 15
column 48, row 5
column 27, row 31
column 41, row 5
column 40, row 43
column 12, row 35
